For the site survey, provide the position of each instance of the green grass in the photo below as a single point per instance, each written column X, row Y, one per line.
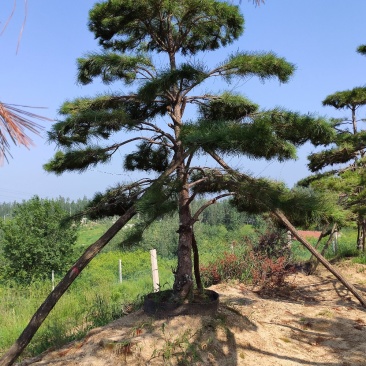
column 361, row 259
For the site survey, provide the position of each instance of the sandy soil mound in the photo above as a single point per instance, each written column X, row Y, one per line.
column 314, row 321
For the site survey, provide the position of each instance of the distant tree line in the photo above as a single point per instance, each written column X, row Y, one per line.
column 71, row 206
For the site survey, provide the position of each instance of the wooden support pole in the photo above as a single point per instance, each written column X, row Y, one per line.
column 53, row 279
column 154, row 268
column 120, row 270
column 279, row 214
column 313, row 261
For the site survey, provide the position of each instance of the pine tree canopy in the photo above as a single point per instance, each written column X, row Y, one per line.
column 166, row 119
column 169, row 26
column 265, row 135
column 347, row 99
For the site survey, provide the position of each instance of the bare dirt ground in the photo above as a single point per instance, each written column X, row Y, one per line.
column 314, row 321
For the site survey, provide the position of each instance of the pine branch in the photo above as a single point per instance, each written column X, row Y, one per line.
column 262, row 65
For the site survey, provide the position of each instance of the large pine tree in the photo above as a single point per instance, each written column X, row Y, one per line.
column 136, row 37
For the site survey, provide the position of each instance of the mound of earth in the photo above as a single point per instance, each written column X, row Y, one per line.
column 312, row 321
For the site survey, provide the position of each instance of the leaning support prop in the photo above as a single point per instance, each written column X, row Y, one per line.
column 280, row 215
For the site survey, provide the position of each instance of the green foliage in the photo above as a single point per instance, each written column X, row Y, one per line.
column 348, row 148
column 148, row 158
column 361, row 49
column 228, row 106
column 186, row 76
column 115, row 201
column 257, row 135
column 195, row 25
column 346, row 183
column 111, row 66
column 346, row 152
column 172, row 27
column 262, row 65
column 346, row 99
column 94, row 299
column 309, row 206
column 361, row 259
column 78, row 160
column 37, row 240
column 71, row 206
column 90, row 232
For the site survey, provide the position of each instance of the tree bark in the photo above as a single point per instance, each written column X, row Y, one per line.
column 183, row 282
column 363, row 225
column 43, row 311
column 196, row 263
column 360, row 233
column 320, row 258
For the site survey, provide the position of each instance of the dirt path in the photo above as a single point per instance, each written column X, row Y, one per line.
column 314, row 322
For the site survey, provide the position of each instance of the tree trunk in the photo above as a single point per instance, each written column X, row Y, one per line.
column 361, row 234
column 183, row 282
column 196, row 264
column 320, row 258
column 43, row 311
column 363, row 228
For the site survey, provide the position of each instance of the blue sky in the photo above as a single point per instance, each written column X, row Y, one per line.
column 319, row 37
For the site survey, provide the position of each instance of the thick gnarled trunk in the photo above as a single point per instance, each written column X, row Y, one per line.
column 183, row 283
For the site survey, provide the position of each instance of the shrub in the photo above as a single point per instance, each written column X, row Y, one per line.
column 269, row 273
column 37, row 240
column 251, row 266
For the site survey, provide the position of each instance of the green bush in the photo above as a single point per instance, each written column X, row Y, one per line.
column 37, row 240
